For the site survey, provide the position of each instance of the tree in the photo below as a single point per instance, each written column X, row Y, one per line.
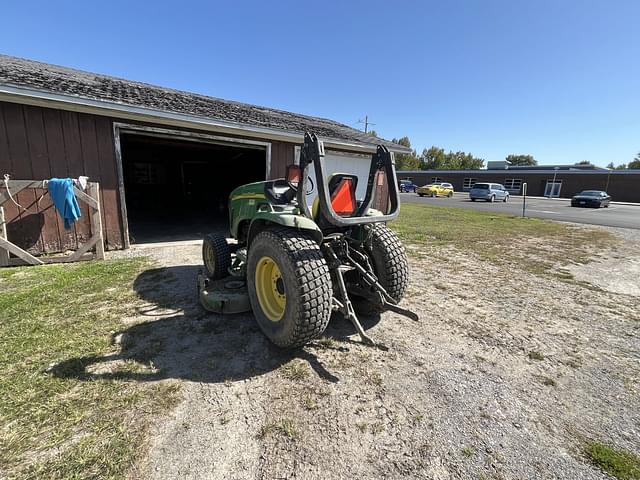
column 406, row 161
column 404, row 141
column 373, row 133
column 635, row 163
column 584, row 162
column 463, row 161
column 435, row 158
column 622, row 166
column 523, row 160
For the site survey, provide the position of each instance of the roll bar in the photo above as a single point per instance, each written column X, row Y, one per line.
column 313, row 152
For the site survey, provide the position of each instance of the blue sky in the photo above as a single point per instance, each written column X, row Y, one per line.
column 556, row 79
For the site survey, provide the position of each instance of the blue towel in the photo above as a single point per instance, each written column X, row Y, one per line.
column 64, row 198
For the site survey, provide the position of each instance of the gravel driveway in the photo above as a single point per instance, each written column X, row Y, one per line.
column 503, row 378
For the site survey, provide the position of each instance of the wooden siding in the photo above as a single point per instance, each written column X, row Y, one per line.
column 41, row 143
column 281, row 157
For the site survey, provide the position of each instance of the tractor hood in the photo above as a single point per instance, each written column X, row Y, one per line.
column 253, row 206
column 249, row 191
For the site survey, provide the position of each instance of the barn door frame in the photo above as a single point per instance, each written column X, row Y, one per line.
column 120, row 128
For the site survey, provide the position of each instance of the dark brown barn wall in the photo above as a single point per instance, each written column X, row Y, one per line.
column 40, row 143
column 281, row 156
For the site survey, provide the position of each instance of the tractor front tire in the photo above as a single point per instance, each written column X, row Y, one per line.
column 289, row 286
column 216, row 256
column 389, row 261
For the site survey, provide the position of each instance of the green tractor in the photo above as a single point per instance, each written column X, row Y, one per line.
column 294, row 264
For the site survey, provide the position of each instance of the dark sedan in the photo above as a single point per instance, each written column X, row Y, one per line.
column 407, row 186
column 591, row 198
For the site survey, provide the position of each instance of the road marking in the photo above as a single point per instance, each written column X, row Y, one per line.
column 541, row 211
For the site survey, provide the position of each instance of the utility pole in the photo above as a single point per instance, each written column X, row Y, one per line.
column 553, row 184
column 366, row 123
column 608, row 177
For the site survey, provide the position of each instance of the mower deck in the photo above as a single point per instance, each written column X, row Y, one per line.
column 227, row 295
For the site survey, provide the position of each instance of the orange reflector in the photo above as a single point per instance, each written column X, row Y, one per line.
column 294, row 172
column 343, row 199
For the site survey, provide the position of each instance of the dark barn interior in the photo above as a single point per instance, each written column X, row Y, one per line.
column 178, row 189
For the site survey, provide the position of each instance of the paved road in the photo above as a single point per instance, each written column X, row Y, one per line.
column 617, row 215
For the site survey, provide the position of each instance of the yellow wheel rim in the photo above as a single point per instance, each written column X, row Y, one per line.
column 270, row 289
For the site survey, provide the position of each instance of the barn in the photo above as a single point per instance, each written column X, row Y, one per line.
column 166, row 160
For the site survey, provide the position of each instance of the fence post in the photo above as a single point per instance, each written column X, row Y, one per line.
column 4, row 254
column 96, row 220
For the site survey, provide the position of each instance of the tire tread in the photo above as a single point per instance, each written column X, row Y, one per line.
column 313, row 284
column 385, row 247
column 222, row 255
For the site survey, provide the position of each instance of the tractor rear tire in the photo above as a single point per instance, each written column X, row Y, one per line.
column 216, row 256
column 289, row 286
column 389, row 261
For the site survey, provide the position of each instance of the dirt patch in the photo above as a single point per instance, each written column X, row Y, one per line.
column 617, row 271
column 505, row 376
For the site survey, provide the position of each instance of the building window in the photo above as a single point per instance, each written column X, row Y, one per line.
column 468, row 183
column 513, row 184
column 552, row 188
column 436, row 179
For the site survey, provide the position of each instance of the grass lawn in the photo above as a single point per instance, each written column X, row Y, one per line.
column 533, row 244
column 616, row 462
column 53, row 427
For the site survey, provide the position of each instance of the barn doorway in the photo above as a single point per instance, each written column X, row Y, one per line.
column 177, row 188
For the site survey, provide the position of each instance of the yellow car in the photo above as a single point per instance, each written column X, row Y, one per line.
column 436, row 189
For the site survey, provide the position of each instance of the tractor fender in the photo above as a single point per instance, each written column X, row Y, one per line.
column 264, row 220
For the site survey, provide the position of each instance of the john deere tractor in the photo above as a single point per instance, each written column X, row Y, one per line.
column 293, row 264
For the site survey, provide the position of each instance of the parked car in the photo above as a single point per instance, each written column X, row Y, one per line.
column 591, row 198
column 489, row 192
column 407, row 186
column 436, row 189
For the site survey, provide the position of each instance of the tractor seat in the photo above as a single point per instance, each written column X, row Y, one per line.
column 279, row 192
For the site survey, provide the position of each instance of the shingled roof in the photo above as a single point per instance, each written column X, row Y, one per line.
column 18, row 72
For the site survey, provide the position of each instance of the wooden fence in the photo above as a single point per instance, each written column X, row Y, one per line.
column 96, row 242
